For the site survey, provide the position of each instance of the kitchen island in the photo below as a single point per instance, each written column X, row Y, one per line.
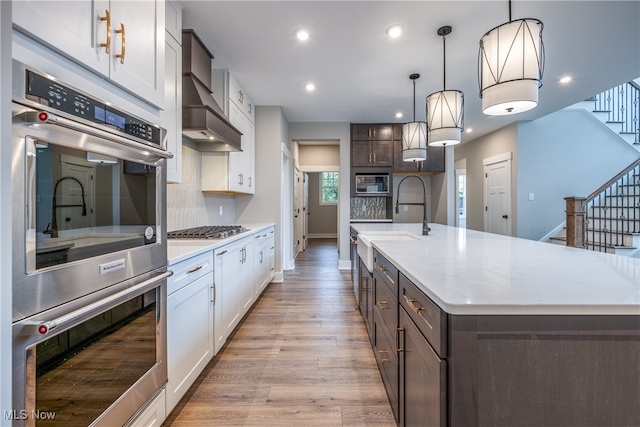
column 495, row 330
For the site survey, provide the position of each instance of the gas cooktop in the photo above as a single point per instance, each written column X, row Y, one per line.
column 206, row 232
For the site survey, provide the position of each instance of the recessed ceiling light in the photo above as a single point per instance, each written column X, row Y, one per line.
column 393, row 31
column 398, row 115
column 310, row 87
column 468, row 130
column 301, row 34
column 565, row 79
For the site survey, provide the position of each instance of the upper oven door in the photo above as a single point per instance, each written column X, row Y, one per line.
column 89, row 210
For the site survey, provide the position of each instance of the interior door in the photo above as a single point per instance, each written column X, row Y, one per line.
column 497, row 215
column 305, row 210
column 297, row 208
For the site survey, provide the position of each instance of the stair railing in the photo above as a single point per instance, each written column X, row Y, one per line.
column 623, row 104
column 599, row 221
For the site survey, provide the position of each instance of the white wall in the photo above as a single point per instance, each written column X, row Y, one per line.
column 333, row 131
column 265, row 205
column 5, row 209
column 567, row 153
column 318, row 158
column 501, row 141
column 188, row 206
column 411, row 192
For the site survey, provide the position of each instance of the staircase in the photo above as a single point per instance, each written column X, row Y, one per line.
column 608, row 220
column 618, row 108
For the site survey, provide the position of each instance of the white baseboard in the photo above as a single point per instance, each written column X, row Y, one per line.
column 323, row 236
column 278, row 277
column 344, row 264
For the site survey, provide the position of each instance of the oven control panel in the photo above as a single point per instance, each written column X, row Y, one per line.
column 51, row 93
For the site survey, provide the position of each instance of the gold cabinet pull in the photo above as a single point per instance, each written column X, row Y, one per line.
column 249, row 108
column 398, row 349
column 124, row 43
column 250, row 182
column 193, row 270
column 107, row 44
column 383, row 359
column 417, row 310
column 381, row 306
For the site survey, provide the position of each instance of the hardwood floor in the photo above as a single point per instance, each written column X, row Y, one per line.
column 301, row 357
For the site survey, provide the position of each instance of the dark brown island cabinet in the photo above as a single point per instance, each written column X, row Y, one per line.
column 442, row 370
column 371, row 145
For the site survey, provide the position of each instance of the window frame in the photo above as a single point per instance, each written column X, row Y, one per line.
column 322, row 202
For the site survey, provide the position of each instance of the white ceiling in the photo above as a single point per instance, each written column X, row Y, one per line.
column 363, row 76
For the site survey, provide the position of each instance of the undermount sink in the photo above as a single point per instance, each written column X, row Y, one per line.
column 365, row 250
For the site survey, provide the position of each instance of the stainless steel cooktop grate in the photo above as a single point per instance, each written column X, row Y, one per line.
column 206, row 232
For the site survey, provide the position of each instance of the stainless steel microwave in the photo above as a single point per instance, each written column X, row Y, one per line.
column 370, row 184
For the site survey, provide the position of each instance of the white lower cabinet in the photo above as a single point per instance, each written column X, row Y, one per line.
column 190, row 323
column 264, row 250
column 234, row 274
column 154, row 414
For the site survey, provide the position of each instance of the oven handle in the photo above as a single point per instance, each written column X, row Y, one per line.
column 85, row 313
column 42, row 117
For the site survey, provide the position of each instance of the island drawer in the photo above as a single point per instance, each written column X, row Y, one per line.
column 388, row 271
column 385, row 302
column 189, row 270
column 386, row 357
column 427, row 316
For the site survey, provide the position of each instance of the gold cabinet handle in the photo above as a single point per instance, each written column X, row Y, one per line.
column 107, row 44
column 124, row 43
column 193, row 270
column 381, row 306
column 250, row 182
column 417, row 310
column 240, row 97
column 383, row 359
column 398, row 349
column 249, row 108
column 383, row 270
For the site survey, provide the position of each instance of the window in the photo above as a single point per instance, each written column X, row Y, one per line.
column 329, row 188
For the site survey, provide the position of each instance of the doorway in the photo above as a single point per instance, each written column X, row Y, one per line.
column 461, row 198
column 497, row 194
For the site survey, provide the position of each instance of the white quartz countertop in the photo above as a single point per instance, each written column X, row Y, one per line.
column 181, row 249
column 472, row 272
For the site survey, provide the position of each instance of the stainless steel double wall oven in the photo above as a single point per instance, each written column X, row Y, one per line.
column 89, row 256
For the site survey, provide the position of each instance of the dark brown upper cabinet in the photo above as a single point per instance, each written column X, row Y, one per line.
column 434, row 163
column 371, row 145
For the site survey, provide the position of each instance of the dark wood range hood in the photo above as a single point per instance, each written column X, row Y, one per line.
column 203, row 121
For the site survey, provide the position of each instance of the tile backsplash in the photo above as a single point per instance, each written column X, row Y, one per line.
column 187, row 206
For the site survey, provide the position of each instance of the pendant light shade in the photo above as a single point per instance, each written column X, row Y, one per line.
column 511, row 64
column 445, row 117
column 414, row 134
column 445, row 109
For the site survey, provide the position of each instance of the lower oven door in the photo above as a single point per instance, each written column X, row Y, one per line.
column 93, row 361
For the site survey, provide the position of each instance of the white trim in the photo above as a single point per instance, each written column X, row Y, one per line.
column 277, row 278
column 553, row 232
column 323, row 236
column 344, row 264
column 331, row 168
column 497, row 159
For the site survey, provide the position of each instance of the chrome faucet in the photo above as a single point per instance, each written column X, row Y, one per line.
column 425, row 224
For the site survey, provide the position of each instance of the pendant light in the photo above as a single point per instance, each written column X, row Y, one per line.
column 445, row 109
column 414, row 134
column 511, row 63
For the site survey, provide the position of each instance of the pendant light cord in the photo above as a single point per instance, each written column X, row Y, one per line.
column 414, row 100
column 509, row 10
column 444, row 62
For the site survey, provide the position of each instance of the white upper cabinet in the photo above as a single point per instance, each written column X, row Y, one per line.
column 172, row 114
column 232, row 172
column 119, row 39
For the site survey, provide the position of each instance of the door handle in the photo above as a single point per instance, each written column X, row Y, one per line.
column 505, row 216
